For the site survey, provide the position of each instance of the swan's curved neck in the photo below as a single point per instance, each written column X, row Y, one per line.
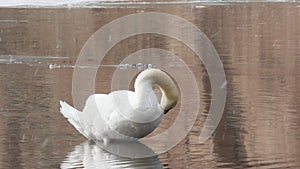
column 155, row 77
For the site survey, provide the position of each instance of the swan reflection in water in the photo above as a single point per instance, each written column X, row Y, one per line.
column 93, row 155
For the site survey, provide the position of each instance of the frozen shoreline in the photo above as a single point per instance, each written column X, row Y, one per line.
column 62, row 3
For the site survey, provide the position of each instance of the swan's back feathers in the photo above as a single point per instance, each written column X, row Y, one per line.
column 72, row 115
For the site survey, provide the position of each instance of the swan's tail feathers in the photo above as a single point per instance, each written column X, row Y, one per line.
column 72, row 115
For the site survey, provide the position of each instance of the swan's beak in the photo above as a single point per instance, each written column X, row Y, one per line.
column 166, row 111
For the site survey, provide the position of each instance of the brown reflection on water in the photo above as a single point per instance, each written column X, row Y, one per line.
column 262, row 56
column 258, row 43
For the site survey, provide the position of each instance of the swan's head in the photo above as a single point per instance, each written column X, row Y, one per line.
column 169, row 102
column 156, row 77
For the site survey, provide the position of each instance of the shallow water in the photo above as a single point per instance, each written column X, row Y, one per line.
column 259, row 46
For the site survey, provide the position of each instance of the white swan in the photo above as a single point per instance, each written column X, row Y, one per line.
column 125, row 114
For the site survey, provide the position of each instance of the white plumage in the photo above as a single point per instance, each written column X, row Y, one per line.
column 125, row 114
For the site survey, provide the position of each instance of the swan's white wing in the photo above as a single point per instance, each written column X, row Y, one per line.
column 90, row 122
column 95, row 115
column 72, row 115
column 106, row 116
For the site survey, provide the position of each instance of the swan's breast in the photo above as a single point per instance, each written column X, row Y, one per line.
column 131, row 120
